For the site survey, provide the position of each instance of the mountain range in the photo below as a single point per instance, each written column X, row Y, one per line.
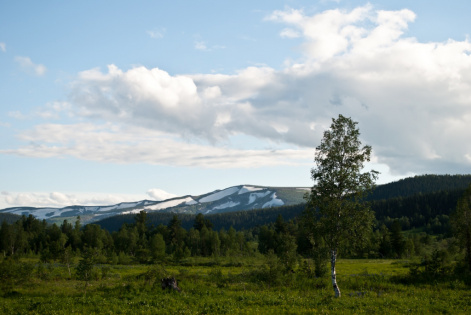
column 236, row 198
column 393, row 199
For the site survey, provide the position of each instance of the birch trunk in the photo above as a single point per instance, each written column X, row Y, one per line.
column 333, row 258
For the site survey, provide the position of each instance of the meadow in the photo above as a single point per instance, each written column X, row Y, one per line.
column 230, row 285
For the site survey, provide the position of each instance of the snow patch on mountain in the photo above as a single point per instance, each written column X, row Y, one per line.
column 226, row 205
column 191, row 202
column 39, row 213
column 236, row 198
column 220, row 194
column 274, row 202
column 254, row 196
column 168, row 204
column 120, row 206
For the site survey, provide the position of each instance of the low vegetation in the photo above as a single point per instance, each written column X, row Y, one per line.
column 227, row 285
column 50, row 269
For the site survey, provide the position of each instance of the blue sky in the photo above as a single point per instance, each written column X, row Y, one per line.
column 110, row 101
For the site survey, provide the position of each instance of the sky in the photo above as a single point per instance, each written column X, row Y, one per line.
column 103, row 102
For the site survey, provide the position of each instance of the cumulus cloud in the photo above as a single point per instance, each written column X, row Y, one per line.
column 411, row 100
column 27, row 65
column 159, row 194
column 3, row 47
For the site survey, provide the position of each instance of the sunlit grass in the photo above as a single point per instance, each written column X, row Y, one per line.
column 227, row 287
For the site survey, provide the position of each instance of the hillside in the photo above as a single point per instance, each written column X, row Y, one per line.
column 423, row 184
column 238, row 220
column 9, row 218
column 236, row 198
column 418, row 198
column 428, row 202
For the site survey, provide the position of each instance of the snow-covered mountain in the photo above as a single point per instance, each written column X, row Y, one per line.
column 237, row 198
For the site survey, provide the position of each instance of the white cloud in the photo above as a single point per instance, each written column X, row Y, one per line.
column 411, row 100
column 199, row 45
column 52, row 110
column 157, row 33
column 159, row 194
column 289, row 33
column 110, row 143
column 3, row 47
column 328, row 33
column 17, row 115
column 28, row 66
column 203, row 46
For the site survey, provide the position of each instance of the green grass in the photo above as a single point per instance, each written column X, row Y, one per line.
column 228, row 286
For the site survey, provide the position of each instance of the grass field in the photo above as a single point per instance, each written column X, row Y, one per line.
column 233, row 286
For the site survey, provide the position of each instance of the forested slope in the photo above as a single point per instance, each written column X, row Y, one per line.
column 417, row 201
column 9, row 217
column 238, row 220
column 423, row 184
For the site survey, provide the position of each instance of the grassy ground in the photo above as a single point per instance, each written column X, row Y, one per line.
column 231, row 286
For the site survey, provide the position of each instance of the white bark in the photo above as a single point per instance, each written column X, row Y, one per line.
column 333, row 258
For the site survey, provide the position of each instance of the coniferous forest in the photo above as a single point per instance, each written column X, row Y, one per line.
column 415, row 244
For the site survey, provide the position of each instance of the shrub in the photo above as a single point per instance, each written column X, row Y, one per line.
column 13, row 273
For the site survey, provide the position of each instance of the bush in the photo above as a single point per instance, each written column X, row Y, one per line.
column 13, row 273
column 216, row 276
column 85, row 269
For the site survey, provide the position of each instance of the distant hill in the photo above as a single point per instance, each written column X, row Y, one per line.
column 418, row 200
column 236, row 198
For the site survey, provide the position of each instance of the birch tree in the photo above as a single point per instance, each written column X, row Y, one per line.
column 335, row 209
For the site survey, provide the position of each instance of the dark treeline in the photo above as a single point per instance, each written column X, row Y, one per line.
column 147, row 238
column 240, row 220
column 423, row 184
column 134, row 242
column 428, row 211
column 139, row 242
column 9, row 217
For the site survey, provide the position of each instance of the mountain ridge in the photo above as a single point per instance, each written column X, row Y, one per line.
column 235, row 198
column 238, row 198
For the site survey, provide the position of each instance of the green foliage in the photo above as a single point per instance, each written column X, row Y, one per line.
column 157, row 247
column 368, row 285
column 335, row 205
column 13, row 273
column 420, row 185
column 461, row 221
column 85, row 269
column 9, row 218
column 335, row 209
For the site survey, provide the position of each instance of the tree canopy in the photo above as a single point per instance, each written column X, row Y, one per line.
column 335, row 209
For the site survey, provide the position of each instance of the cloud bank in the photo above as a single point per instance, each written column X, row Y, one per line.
column 411, row 99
